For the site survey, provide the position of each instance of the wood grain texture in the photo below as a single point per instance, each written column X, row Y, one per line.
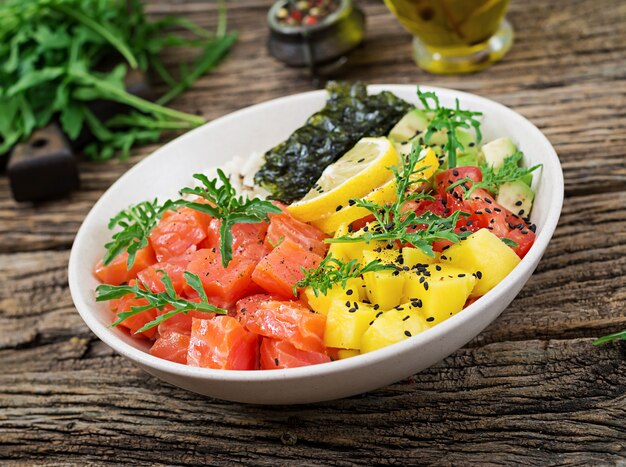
column 530, row 389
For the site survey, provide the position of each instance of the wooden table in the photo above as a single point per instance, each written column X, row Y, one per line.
column 530, row 389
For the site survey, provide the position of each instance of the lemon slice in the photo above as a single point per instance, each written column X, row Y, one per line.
column 364, row 167
column 383, row 194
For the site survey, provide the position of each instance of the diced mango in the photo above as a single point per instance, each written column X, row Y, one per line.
column 346, row 323
column 347, row 353
column 484, row 255
column 321, row 302
column 384, row 288
column 392, row 326
column 439, row 291
column 354, row 250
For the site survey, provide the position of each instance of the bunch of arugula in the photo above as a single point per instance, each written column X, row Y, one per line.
column 448, row 120
column 395, row 223
column 158, row 300
column 57, row 71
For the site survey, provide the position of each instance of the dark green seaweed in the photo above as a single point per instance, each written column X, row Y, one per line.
column 291, row 168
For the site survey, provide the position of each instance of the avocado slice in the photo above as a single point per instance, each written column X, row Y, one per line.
column 517, row 197
column 412, row 123
column 494, row 152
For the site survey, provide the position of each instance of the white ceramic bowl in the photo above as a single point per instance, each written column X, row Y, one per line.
column 258, row 128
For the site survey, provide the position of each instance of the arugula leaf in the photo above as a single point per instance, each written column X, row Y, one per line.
column 105, row 292
column 333, row 271
column 611, row 337
column 230, row 209
column 136, row 222
column 448, row 120
column 493, row 179
column 394, row 223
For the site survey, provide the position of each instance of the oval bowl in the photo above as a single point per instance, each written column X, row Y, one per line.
column 258, row 128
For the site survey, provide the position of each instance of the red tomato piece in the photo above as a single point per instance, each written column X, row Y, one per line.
column 172, row 346
column 486, row 213
column 152, row 276
column 176, row 232
column 284, row 320
column 280, row 270
column 116, row 272
column 276, row 354
column 446, row 178
column 248, row 239
column 524, row 237
column 136, row 322
column 222, row 343
column 225, row 284
column 285, row 227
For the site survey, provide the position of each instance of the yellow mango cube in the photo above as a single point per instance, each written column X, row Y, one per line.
column 484, row 255
column 346, row 322
column 347, row 353
column 438, row 291
column 392, row 326
column 321, row 302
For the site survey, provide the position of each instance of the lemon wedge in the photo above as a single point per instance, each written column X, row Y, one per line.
column 363, row 168
column 383, row 194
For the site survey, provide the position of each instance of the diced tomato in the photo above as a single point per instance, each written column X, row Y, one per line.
column 524, row 237
column 286, row 320
column 281, row 269
column 172, row 346
column 222, row 343
column 276, row 354
column 285, row 227
column 360, row 223
column 446, row 178
column 176, row 232
column 486, row 213
column 226, row 284
column 248, row 239
column 136, row 322
column 152, row 276
column 116, row 272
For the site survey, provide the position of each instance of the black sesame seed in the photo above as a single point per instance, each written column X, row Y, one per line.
column 487, row 200
column 351, row 202
column 405, row 318
column 488, row 211
column 376, row 306
column 479, row 274
column 518, row 203
column 378, row 314
column 455, row 173
column 361, row 160
column 430, row 319
column 351, row 310
column 407, row 333
column 461, row 275
column 425, row 285
column 348, row 304
column 338, row 208
column 497, row 209
column 276, row 361
column 437, row 267
column 349, row 292
column 521, row 212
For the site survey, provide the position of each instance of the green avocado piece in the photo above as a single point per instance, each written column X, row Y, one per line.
column 517, row 197
column 412, row 123
column 494, row 152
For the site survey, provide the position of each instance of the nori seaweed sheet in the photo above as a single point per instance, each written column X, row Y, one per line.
column 291, row 168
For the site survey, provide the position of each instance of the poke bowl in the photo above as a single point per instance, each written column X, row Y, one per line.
column 256, row 129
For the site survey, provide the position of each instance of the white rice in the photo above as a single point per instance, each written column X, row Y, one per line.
column 240, row 171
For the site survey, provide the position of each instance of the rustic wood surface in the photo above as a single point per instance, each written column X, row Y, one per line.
column 531, row 389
